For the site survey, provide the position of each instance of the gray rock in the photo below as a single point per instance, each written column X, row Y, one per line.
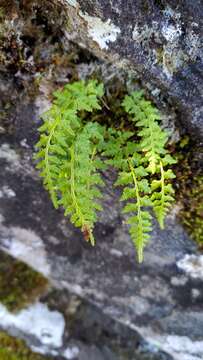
column 160, row 40
column 113, row 307
column 121, row 307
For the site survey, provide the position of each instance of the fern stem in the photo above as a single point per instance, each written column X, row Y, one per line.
column 140, row 246
column 72, row 183
column 153, row 146
column 153, row 161
column 84, row 224
column 46, row 158
column 91, row 160
column 162, row 194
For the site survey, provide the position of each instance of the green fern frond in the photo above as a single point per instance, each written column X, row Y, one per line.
column 136, row 190
column 79, row 181
column 146, row 116
column 50, row 151
column 66, row 155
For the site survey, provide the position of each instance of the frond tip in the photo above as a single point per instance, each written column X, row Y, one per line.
column 146, row 117
column 136, row 193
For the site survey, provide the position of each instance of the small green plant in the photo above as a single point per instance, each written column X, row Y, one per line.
column 72, row 151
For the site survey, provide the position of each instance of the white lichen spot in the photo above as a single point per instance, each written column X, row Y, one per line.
column 192, row 265
column 42, row 101
column 142, row 33
column 75, row 288
column 171, row 29
column 73, row 3
column 171, row 32
column 179, row 347
column 37, row 320
column 179, row 281
column 193, row 43
column 155, row 92
column 101, row 32
column 25, row 245
column 24, row 143
column 10, row 156
column 135, row 33
column 116, row 252
column 195, row 293
column 71, row 352
column 184, row 347
column 6, row 192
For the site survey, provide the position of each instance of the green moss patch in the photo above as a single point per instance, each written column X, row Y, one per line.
column 19, row 284
column 189, row 188
column 192, row 212
column 15, row 349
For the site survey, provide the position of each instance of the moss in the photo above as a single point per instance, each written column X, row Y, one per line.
column 15, row 349
column 32, row 29
column 19, row 284
column 192, row 212
column 159, row 55
column 189, row 188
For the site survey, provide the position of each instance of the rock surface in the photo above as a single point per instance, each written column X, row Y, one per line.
column 160, row 40
column 109, row 306
column 155, row 307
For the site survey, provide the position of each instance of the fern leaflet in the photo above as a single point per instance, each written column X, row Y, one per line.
column 162, row 195
column 146, row 116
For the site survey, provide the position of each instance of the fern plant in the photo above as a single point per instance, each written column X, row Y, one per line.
column 72, row 151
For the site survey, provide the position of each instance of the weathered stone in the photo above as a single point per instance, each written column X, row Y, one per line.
column 150, row 302
column 160, row 40
column 112, row 307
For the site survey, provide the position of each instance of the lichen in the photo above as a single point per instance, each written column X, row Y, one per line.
column 192, row 265
column 15, row 349
column 101, row 32
column 19, row 284
column 73, row 3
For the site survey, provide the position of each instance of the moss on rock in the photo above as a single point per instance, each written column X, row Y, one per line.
column 19, row 284
column 192, row 212
column 15, row 349
column 189, row 188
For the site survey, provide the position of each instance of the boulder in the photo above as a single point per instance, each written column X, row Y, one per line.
column 101, row 304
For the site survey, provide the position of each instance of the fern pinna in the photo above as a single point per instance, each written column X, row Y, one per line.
column 162, row 195
column 73, row 150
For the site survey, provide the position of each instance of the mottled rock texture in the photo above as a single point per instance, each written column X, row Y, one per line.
column 114, row 308
column 159, row 39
